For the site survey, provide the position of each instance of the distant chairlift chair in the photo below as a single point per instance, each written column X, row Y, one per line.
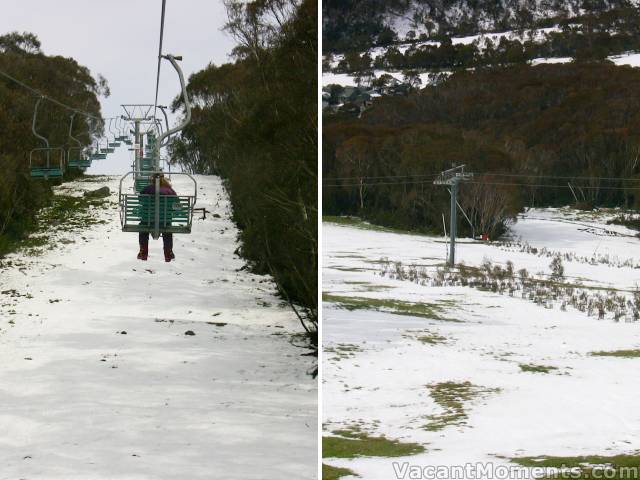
column 115, row 143
column 75, row 155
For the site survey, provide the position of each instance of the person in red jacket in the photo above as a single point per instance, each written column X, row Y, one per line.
column 167, row 238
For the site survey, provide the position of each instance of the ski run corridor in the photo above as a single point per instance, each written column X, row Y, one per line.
column 115, row 368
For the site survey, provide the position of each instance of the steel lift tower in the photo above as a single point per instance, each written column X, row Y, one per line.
column 452, row 178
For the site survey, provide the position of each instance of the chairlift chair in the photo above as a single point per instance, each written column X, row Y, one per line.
column 115, row 143
column 45, row 162
column 76, row 157
column 155, row 213
column 123, row 137
column 98, row 154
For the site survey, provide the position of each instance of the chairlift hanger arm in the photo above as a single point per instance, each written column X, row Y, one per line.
column 33, row 123
column 111, row 131
column 187, row 118
column 73, row 115
column 166, row 121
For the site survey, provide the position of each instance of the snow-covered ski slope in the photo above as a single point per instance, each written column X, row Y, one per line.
column 535, row 389
column 99, row 381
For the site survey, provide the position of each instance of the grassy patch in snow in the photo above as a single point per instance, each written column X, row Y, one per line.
column 369, row 287
column 334, row 473
column 353, row 222
column 357, row 222
column 426, row 337
column 94, row 179
column 617, row 353
column 66, row 213
column 532, row 368
column 349, row 269
column 70, row 213
column 342, row 350
column 589, row 466
column 431, row 311
column 451, row 397
column 353, row 442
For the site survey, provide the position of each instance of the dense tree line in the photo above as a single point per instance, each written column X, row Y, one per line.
column 591, row 37
column 255, row 124
column 58, row 77
column 359, row 24
column 570, row 121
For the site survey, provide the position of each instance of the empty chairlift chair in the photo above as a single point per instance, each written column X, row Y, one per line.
column 45, row 162
column 122, row 136
column 97, row 154
column 76, row 157
column 107, row 149
column 115, row 143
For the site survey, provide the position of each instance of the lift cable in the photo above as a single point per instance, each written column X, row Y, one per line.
column 155, row 105
column 485, row 174
column 430, row 175
column 515, row 184
column 46, row 97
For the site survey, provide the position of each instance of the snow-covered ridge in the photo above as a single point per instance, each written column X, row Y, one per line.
column 481, row 40
column 430, row 17
column 350, row 79
column 631, row 59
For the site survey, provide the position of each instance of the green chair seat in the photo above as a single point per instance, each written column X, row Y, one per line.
column 80, row 163
column 141, row 183
column 39, row 172
column 139, row 213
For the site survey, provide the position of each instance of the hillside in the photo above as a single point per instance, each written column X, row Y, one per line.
column 399, row 55
column 496, row 363
column 543, row 115
column 379, row 22
column 62, row 78
column 116, row 368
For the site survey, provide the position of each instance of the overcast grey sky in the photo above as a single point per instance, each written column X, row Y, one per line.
column 119, row 39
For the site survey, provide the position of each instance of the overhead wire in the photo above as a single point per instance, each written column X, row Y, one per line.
column 486, row 174
column 515, row 184
column 155, row 104
column 47, row 97
column 382, row 176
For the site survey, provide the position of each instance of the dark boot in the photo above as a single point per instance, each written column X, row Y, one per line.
column 143, row 239
column 167, row 240
column 144, row 252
